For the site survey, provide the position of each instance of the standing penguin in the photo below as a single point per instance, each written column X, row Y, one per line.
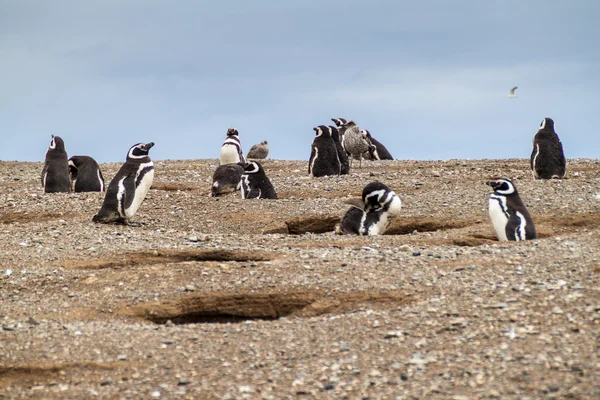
column 323, row 155
column 259, row 151
column 509, row 215
column 85, row 174
column 255, row 183
column 356, row 142
column 55, row 174
column 343, row 157
column 231, row 150
column 547, row 158
column 372, row 214
column 129, row 187
column 379, row 151
column 339, row 123
column 226, row 179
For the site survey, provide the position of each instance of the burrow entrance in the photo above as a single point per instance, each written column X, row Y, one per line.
column 221, row 307
column 25, row 217
column 132, row 259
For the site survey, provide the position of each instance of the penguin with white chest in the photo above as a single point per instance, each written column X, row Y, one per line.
column 129, row 187
column 231, row 150
column 55, row 174
column 255, row 183
column 227, row 179
column 509, row 216
column 372, row 213
column 324, row 158
column 85, row 174
column 547, row 158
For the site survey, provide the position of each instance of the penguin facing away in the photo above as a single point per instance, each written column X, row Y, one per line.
column 509, row 216
column 259, row 151
column 85, row 174
column 323, row 159
column 227, row 179
column 129, row 187
column 339, row 123
column 231, row 150
column 547, row 158
column 255, row 184
column 55, row 174
column 379, row 151
column 372, row 213
column 343, row 157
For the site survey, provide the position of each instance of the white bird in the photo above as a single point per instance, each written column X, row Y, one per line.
column 512, row 94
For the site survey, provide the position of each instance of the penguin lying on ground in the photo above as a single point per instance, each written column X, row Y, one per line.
column 372, row 213
column 227, row 179
column 129, row 187
column 85, row 174
column 255, row 183
column 509, row 215
column 55, row 174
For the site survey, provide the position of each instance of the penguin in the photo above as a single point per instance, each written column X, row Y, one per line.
column 85, row 174
column 342, row 156
column 547, row 158
column 371, row 214
column 259, row 151
column 226, row 179
column 323, row 155
column 129, row 187
column 356, row 143
column 509, row 215
column 379, row 152
column 55, row 174
column 255, row 183
column 231, row 150
column 339, row 123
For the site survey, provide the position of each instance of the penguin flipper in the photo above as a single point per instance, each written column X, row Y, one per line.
column 129, row 193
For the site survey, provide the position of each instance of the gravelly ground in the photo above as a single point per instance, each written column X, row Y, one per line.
column 214, row 298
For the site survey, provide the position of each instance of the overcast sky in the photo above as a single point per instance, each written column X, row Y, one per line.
column 429, row 79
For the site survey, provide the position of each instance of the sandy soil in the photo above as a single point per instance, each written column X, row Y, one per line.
column 230, row 298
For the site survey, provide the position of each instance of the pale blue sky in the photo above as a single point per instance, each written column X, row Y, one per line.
column 429, row 79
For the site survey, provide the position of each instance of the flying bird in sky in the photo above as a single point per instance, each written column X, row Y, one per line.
column 512, row 94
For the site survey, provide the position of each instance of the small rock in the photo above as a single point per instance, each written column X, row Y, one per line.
column 155, row 394
column 193, row 239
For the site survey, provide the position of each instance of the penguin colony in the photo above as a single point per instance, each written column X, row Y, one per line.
column 331, row 150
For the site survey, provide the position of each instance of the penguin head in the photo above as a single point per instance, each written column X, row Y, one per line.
column 73, row 168
column 253, row 167
column 376, row 195
column 139, row 151
column 57, row 144
column 339, row 121
column 322, row 131
column 366, row 133
column 334, row 133
column 232, row 132
column 547, row 124
column 502, row 186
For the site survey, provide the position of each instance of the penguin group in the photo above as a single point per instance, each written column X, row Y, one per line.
column 332, row 149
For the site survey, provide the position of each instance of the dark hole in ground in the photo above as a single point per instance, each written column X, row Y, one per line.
column 9, row 218
column 174, row 187
column 222, row 307
column 168, row 256
column 403, row 226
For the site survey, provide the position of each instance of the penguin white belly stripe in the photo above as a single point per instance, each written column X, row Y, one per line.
column 141, row 188
column 245, row 186
column 120, row 195
column 520, row 230
column 314, row 159
column 499, row 216
column 537, row 153
column 229, row 154
column 101, row 182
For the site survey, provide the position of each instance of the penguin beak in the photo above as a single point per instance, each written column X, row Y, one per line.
column 149, row 145
column 493, row 184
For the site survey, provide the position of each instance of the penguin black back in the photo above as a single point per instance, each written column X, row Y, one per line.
column 547, row 158
column 85, row 174
column 129, row 187
column 379, row 152
column 55, row 174
column 255, row 184
column 343, row 157
column 324, row 158
column 508, row 213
